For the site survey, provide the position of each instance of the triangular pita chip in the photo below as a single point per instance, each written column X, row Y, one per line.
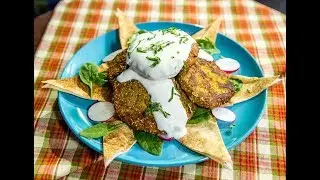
column 75, row 87
column 117, row 142
column 126, row 28
column 251, row 87
column 210, row 31
column 205, row 138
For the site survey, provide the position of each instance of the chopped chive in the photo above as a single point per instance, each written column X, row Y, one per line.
column 183, row 39
column 155, row 106
column 141, row 50
column 155, row 59
column 171, row 94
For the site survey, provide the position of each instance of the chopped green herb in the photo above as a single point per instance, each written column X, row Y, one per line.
column 237, row 84
column 140, row 50
column 171, row 30
column 149, row 38
column 183, row 39
column 172, row 57
column 129, row 52
column 208, row 46
column 178, row 52
column 155, row 59
column 171, row 97
column 155, row 106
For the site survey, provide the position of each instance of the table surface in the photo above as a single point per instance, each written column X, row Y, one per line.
column 59, row 154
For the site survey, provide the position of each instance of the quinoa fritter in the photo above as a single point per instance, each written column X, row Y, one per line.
column 205, row 84
column 130, row 101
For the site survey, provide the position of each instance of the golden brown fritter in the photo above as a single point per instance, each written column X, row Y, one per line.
column 114, row 67
column 130, row 101
column 205, row 84
column 187, row 104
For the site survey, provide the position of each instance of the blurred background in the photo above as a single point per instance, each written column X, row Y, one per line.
column 43, row 9
column 43, row 6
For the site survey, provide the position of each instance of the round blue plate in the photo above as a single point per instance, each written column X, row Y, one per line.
column 74, row 109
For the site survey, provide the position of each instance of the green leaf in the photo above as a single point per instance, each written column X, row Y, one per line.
column 99, row 130
column 208, row 46
column 149, row 142
column 89, row 75
column 199, row 116
column 237, row 84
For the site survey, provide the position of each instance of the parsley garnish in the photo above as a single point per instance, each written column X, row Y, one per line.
column 183, row 39
column 155, row 59
column 155, row 106
column 171, row 30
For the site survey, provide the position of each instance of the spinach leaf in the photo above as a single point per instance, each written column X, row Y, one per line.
column 89, row 75
column 199, row 116
column 149, row 142
column 99, row 130
column 208, row 46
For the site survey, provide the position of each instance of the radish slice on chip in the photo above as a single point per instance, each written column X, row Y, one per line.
column 101, row 111
column 228, row 65
column 224, row 114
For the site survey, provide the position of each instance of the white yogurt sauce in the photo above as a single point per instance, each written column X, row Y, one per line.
column 204, row 55
column 172, row 56
column 160, row 91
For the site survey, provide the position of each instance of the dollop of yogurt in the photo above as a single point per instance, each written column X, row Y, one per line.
column 160, row 54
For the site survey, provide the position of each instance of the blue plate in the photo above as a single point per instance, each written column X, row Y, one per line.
column 74, row 109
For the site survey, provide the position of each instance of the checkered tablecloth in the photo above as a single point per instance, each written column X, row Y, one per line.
column 59, row 154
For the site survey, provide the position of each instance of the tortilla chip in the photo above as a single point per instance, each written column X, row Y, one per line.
column 210, row 31
column 251, row 87
column 126, row 28
column 117, row 142
column 205, row 138
column 75, row 87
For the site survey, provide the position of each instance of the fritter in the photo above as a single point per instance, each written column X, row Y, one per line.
column 205, row 84
column 130, row 101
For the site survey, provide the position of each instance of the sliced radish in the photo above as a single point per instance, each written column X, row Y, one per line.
column 228, row 65
column 101, row 111
column 165, row 137
column 224, row 114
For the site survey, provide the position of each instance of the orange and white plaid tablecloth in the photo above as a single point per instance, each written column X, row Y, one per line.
column 262, row 30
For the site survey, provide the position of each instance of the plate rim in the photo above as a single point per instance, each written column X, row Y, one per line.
column 234, row 144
